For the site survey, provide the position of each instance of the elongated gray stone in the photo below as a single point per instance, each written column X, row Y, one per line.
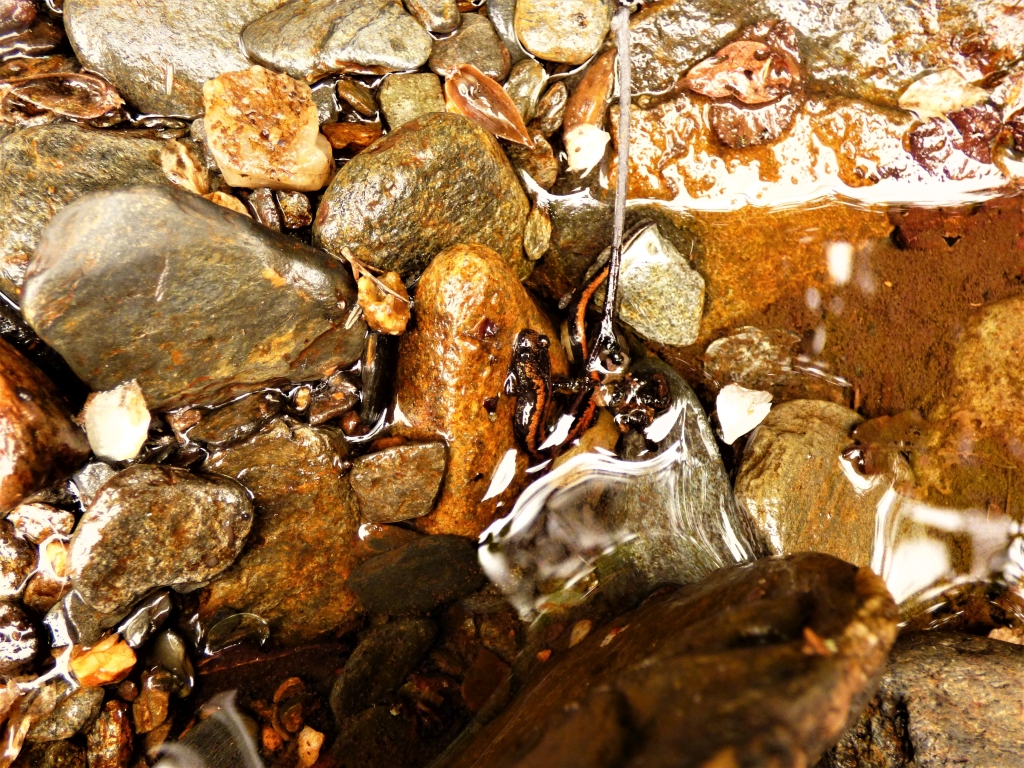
column 311, row 38
column 135, row 43
column 44, row 168
column 194, row 301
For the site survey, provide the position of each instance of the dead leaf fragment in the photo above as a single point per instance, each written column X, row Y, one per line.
column 471, row 93
column 940, row 93
column 746, row 70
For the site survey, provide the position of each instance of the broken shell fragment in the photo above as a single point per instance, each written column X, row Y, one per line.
column 940, row 93
column 183, row 169
column 746, row 70
column 473, row 94
column 585, row 145
column 117, row 422
column 264, row 131
column 740, row 410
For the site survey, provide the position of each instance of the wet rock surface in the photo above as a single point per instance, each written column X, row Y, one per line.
column 418, row 576
column 399, row 483
column 186, row 529
column 945, row 699
column 295, row 571
column 41, row 445
column 474, row 42
column 564, row 31
column 439, row 16
column 658, row 685
column 435, row 182
column 311, row 38
column 380, row 663
column 800, row 490
column 134, row 45
column 36, row 181
column 53, row 754
column 469, row 310
column 235, row 421
column 17, row 561
column 75, row 712
column 19, row 641
column 125, row 285
column 403, row 98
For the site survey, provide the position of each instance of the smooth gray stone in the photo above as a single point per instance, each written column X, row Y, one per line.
column 502, row 15
column 403, row 98
column 474, row 42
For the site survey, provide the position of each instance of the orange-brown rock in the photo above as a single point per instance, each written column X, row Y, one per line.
column 452, row 366
column 38, row 443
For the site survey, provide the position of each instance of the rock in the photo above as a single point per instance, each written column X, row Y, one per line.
column 740, row 410
column 146, row 618
column 357, row 96
column 153, row 302
column 433, row 183
column 263, row 129
column 117, row 422
column 355, row 135
column 17, row 561
column 52, row 754
column 563, row 31
column 75, row 712
column 296, row 212
column 438, row 16
column 485, row 675
column 538, row 162
column 770, row 361
column 419, row 576
column 525, row 83
column 380, row 664
column 801, row 492
column 844, row 46
column 474, row 42
column 19, row 642
column 89, row 479
column 35, row 182
column 312, row 38
column 399, row 483
column 469, row 310
column 945, row 699
column 338, row 395
column 184, row 530
column 294, row 574
column 38, row 522
column 376, row 738
column 537, row 235
column 403, row 98
column 236, row 420
column 136, row 44
column 550, row 112
column 804, row 638
column 109, row 741
column 41, row 445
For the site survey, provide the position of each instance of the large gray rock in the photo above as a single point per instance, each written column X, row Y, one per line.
column 945, row 700
column 44, row 168
column 194, row 301
column 152, row 526
column 438, row 181
column 872, row 50
column 134, row 43
column 311, row 38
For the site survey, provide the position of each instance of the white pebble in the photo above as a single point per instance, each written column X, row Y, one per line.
column 740, row 410
column 117, row 422
column 585, row 145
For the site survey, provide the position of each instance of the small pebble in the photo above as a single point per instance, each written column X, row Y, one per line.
column 357, row 96
column 405, row 97
column 109, row 661
column 117, row 422
column 563, row 31
column 356, row 135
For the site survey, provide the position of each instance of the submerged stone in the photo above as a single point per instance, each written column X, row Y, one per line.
column 398, row 483
column 311, row 38
column 440, row 16
column 564, row 31
column 75, row 711
column 452, row 365
column 19, row 640
column 130, row 284
column 140, row 45
column 474, row 42
column 760, row 664
column 405, row 97
column 435, row 182
column 183, row 530
column 37, row 179
column 294, row 573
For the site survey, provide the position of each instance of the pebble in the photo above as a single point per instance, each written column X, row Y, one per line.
column 740, row 410
column 537, row 237
column 357, row 96
column 236, row 420
column 263, row 129
column 184, row 530
column 36, row 182
column 52, row 754
column 945, row 699
column 38, row 522
column 403, row 98
column 524, row 86
column 502, row 16
column 139, row 274
column 662, row 680
column 419, row 576
column 146, row 618
column 398, row 483
column 109, row 741
column 538, row 162
column 563, row 31
column 76, row 710
column 135, row 44
column 296, row 212
column 295, row 571
column 588, row 104
column 41, row 445
column 435, row 182
column 380, row 664
column 550, row 112
column 117, row 422
column 438, row 16
column 339, row 394
column 16, row 15
column 89, row 479
column 800, row 492
column 109, row 661
column 469, row 310
column 358, row 136
column 19, row 641
column 474, row 42
column 308, row 39
column 17, row 561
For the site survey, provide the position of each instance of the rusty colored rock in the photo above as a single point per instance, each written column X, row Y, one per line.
column 716, row 674
column 356, row 135
column 435, row 182
column 398, row 483
column 109, row 661
column 40, row 444
column 449, row 367
column 109, row 741
column 589, row 102
column 385, row 303
column 294, row 574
